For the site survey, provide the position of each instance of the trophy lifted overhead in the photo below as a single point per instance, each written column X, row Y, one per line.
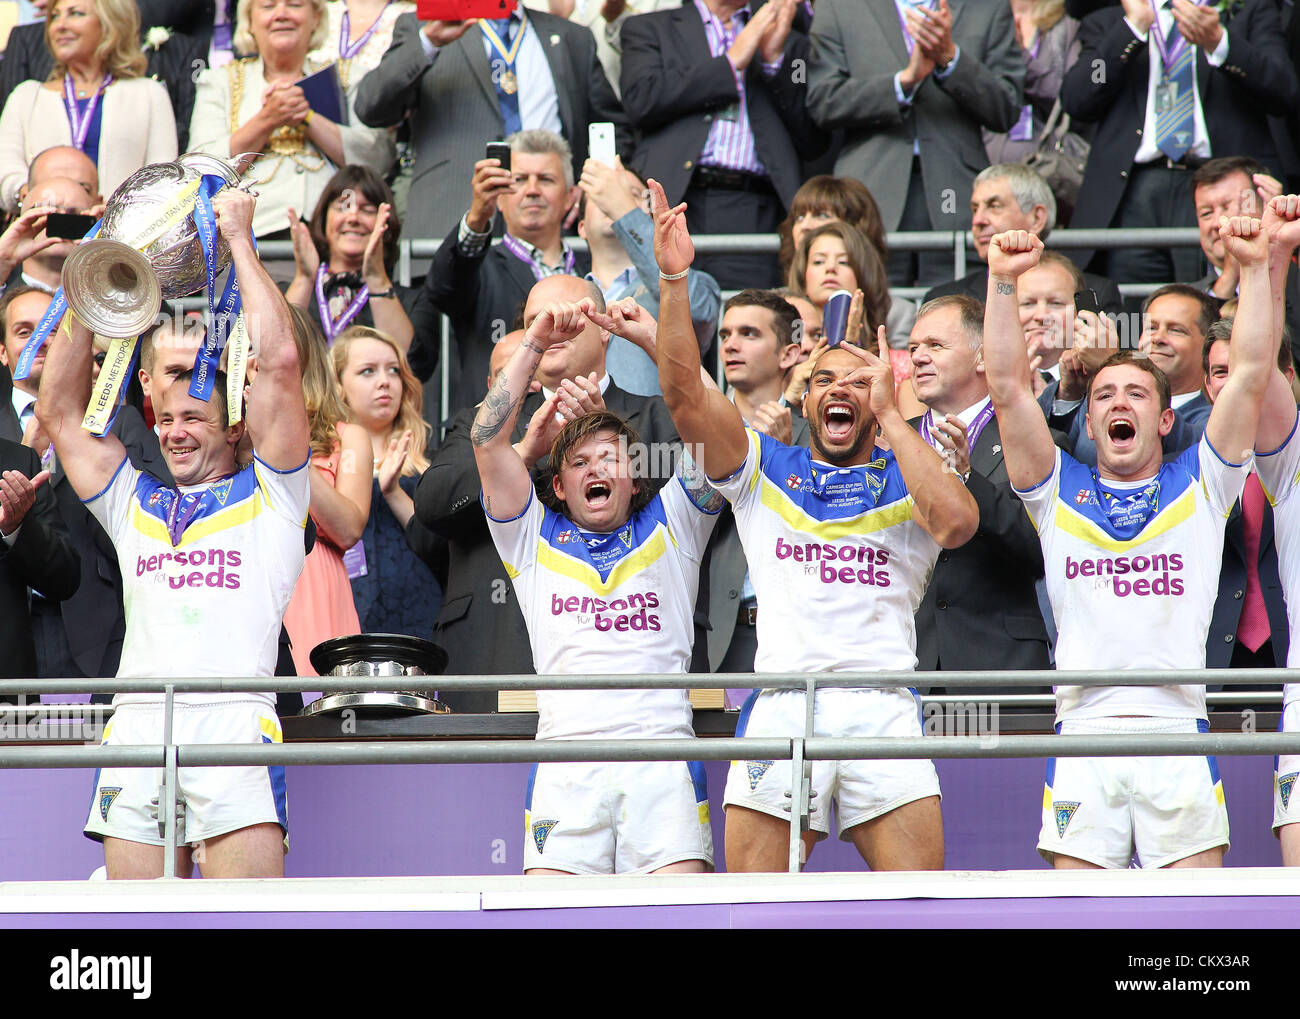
column 156, row 241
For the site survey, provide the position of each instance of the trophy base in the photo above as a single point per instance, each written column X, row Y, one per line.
column 376, row 704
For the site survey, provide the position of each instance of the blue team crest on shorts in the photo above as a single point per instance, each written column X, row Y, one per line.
column 541, row 829
column 1063, row 811
column 1284, row 785
column 107, row 794
column 756, row 770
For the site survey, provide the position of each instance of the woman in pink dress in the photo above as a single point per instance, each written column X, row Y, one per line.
column 321, row 607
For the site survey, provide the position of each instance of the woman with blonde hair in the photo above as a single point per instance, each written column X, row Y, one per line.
column 96, row 99
column 255, row 110
column 322, row 607
column 394, row 590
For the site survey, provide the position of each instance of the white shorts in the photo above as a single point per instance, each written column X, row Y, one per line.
column 1106, row 810
column 216, row 800
column 861, row 790
column 626, row 818
column 1286, row 807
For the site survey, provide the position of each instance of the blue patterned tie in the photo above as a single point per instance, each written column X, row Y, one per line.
column 505, row 29
column 1174, row 131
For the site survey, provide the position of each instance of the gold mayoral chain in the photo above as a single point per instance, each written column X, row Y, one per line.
column 288, row 141
column 507, row 79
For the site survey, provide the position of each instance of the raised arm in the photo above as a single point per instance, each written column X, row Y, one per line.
column 1026, row 440
column 705, row 419
column 90, row 462
column 277, row 412
column 940, row 502
column 1252, row 353
column 1282, row 224
column 507, row 483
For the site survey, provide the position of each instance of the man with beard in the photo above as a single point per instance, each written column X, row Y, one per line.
column 849, row 533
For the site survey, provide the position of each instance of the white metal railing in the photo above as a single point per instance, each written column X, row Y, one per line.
column 799, row 750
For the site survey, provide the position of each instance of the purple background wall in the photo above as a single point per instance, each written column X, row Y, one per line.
column 350, row 821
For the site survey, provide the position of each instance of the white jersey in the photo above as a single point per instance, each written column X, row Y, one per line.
column 1279, row 476
column 836, row 549
column 207, row 572
column 613, row 603
column 1134, row 593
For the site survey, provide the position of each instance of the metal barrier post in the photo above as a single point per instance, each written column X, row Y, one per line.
column 958, row 254
column 167, row 794
column 404, row 263
column 444, row 370
column 798, row 806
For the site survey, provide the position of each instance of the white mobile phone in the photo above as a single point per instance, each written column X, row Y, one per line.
column 600, row 142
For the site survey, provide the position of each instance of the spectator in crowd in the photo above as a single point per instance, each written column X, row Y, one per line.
column 95, row 99
column 172, row 58
column 482, row 633
column 980, row 610
column 1048, row 316
column 620, row 237
column 1010, row 196
column 712, row 90
column 358, row 33
column 1236, row 186
column 824, row 198
column 27, row 253
column 63, row 161
column 250, row 560
column 1165, row 522
column 890, row 811
column 479, row 286
column 1181, row 84
column 1175, row 321
column 835, row 256
column 342, row 465
column 393, row 591
column 255, row 105
column 606, row 18
column 1049, row 40
column 467, row 83
column 343, row 260
column 36, row 555
column 913, row 137
column 1249, row 627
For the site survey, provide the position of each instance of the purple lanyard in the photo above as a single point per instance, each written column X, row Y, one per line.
column 972, row 430
column 516, row 248
column 1167, row 56
column 1038, row 43
column 80, row 124
column 334, row 326
column 183, row 509
column 348, row 51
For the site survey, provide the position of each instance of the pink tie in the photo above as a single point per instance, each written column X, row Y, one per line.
column 1253, row 629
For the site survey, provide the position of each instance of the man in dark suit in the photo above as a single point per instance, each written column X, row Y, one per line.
column 481, row 287
column 980, row 610
column 714, row 93
column 1238, row 186
column 466, row 84
column 35, row 552
column 911, row 92
column 173, row 62
column 1248, row 629
column 1169, row 87
column 1011, row 196
column 480, row 624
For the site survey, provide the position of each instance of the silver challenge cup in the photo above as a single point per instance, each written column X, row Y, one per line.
column 148, row 249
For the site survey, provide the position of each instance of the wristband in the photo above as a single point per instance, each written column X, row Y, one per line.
column 307, row 119
column 674, row 276
column 390, row 292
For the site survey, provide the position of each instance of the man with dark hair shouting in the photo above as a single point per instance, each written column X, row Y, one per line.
column 850, row 533
column 1132, row 551
column 607, row 585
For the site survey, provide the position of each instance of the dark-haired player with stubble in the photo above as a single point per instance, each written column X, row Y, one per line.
column 1132, row 551
column 848, row 532
column 607, row 585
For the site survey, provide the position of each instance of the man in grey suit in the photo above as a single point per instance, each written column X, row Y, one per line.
column 911, row 85
column 467, row 83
